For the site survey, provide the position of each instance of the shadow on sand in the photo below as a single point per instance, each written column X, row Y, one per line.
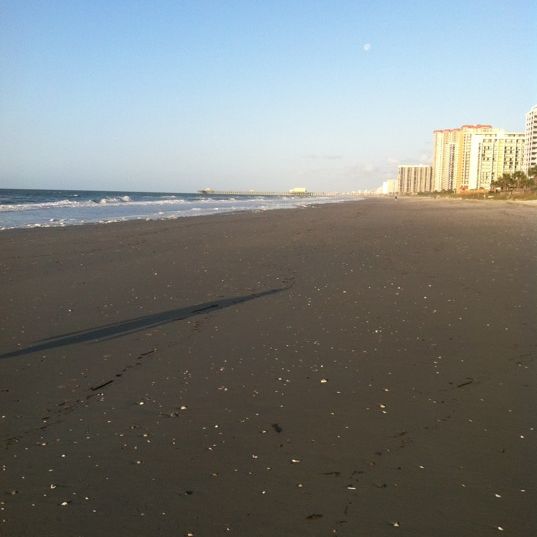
column 131, row 326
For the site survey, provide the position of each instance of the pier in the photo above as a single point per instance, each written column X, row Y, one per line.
column 306, row 194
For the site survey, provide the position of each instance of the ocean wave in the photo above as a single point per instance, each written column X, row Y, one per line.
column 126, row 200
column 117, row 202
column 119, row 199
column 89, row 203
column 45, row 205
column 118, row 208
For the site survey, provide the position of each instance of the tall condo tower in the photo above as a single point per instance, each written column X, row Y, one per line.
column 493, row 154
column 530, row 156
column 451, row 158
column 412, row 179
column 444, row 159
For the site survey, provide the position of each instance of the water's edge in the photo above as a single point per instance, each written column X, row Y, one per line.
column 60, row 208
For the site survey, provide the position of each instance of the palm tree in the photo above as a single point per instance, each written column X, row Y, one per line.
column 505, row 182
column 520, row 180
column 532, row 176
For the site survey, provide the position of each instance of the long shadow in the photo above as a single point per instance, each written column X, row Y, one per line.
column 131, row 326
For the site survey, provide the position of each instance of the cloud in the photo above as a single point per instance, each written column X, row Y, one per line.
column 343, row 175
column 367, row 47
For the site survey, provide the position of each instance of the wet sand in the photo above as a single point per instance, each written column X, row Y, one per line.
column 366, row 369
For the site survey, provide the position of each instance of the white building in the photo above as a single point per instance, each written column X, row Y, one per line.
column 530, row 156
column 414, row 178
column 389, row 186
column 493, row 154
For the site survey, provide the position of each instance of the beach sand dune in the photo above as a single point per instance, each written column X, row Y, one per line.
column 366, row 368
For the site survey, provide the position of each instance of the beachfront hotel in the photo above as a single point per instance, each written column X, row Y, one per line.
column 530, row 157
column 412, row 179
column 451, row 156
column 389, row 187
column 472, row 156
column 492, row 155
column 444, row 158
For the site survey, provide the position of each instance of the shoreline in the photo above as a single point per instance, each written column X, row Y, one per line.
column 526, row 203
column 364, row 368
column 30, row 209
column 141, row 221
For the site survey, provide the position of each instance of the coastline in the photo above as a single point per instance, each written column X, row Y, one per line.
column 331, row 370
column 223, row 213
column 28, row 209
column 171, row 219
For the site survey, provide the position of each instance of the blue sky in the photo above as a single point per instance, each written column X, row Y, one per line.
column 176, row 96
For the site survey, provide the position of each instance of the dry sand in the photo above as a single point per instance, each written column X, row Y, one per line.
column 366, row 369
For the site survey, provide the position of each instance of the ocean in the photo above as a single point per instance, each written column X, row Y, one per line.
column 56, row 208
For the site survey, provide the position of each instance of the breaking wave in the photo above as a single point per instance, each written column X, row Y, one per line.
column 26, row 209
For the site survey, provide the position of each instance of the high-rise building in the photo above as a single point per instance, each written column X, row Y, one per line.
column 465, row 136
column 444, row 159
column 451, row 157
column 389, row 186
column 493, row 154
column 412, row 179
column 530, row 157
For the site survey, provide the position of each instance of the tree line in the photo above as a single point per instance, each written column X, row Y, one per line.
column 516, row 181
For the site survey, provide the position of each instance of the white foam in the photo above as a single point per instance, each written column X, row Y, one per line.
column 90, row 203
column 122, row 208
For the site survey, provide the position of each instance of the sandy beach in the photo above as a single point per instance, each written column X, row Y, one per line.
column 361, row 369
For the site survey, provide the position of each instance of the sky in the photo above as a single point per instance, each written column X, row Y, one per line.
column 181, row 95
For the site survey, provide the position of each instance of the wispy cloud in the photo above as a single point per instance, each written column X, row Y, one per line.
column 366, row 47
column 344, row 175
